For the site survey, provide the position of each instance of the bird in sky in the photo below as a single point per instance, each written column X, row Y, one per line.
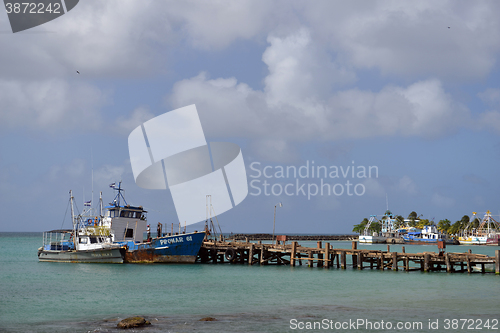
column 78, row 72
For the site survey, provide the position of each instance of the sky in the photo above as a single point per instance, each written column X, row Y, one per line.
column 407, row 90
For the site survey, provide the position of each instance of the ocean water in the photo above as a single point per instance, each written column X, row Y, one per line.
column 65, row 297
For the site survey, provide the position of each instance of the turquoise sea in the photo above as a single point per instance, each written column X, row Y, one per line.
column 60, row 297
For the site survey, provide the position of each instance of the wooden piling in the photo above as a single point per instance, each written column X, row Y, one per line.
column 250, row 255
column 403, row 250
column 469, row 268
column 293, row 253
column 394, row 261
column 497, row 261
column 320, row 255
column 310, row 256
column 327, row 255
column 354, row 256
column 427, row 259
column 360, row 260
column 342, row 259
column 262, row 255
column 448, row 263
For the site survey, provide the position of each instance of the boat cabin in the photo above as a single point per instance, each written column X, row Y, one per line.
column 129, row 223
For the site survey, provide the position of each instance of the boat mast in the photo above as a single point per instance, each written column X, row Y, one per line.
column 75, row 238
column 100, row 204
column 72, row 210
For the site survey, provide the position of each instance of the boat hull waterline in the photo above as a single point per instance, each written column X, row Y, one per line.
column 182, row 248
column 108, row 256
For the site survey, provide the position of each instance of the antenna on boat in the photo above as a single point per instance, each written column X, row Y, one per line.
column 92, row 167
column 116, row 201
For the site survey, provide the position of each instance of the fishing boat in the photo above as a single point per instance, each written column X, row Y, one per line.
column 487, row 233
column 90, row 241
column 426, row 236
column 131, row 230
column 386, row 222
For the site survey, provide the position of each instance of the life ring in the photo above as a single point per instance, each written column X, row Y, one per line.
column 230, row 254
column 89, row 222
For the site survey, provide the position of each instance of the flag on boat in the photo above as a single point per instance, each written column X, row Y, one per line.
column 87, row 203
column 112, row 185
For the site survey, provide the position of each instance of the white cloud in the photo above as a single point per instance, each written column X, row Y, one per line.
column 52, row 105
column 108, row 174
column 136, row 118
column 407, row 185
column 215, row 24
column 74, row 170
column 374, row 188
column 442, row 201
column 294, row 103
column 491, row 97
column 409, row 39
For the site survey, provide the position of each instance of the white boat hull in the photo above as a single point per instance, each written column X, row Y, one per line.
column 372, row 239
column 114, row 255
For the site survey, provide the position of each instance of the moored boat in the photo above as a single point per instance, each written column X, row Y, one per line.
column 427, row 236
column 131, row 229
column 89, row 241
column 487, row 233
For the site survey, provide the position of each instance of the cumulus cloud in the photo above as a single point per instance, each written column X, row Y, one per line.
column 442, row 201
column 52, row 105
column 136, row 118
column 407, row 40
column 407, row 185
column 294, row 104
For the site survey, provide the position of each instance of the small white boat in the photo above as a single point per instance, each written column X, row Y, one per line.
column 89, row 241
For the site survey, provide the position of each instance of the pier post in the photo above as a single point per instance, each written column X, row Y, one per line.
column 469, row 268
column 427, row 259
column 327, row 255
column 250, row 255
column 342, row 259
column 354, row 256
column 388, row 248
column 403, row 250
column 448, row 263
column 394, row 261
column 360, row 260
column 310, row 256
column 497, row 262
column 320, row 255
column 292, row 255
column 214, row 255
column 407, row 264
column 337, row 259
column 262, row 255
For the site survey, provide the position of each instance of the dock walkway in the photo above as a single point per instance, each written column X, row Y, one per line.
column 326, row 256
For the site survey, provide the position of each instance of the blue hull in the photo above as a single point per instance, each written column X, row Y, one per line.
column 423, row 241
column 167, row 249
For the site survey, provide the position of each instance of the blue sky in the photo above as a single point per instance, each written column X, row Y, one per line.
column 411, row 88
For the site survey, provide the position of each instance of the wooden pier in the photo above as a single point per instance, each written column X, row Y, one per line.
column 324, row 255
